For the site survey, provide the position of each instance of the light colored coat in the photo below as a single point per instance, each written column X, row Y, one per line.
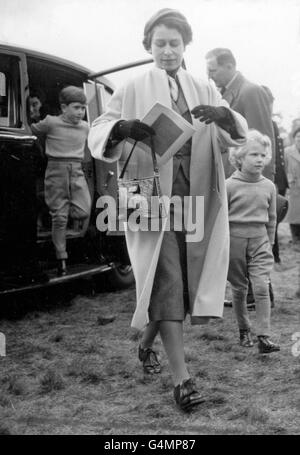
column 292, row 166
column 207, row 259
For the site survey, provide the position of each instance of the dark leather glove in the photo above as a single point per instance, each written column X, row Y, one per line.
column 220, row 115
column 209, row 114
column 132, row 128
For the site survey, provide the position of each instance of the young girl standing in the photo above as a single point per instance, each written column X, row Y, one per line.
column 252, row 221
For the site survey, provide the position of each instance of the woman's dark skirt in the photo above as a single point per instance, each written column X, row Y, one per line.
column 170, row 298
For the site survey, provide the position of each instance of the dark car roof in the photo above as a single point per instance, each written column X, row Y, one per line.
column 54, row 59
column 44, row 56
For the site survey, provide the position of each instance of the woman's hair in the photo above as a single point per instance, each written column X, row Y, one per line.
column 72, row 94
column 253, row 136
column 171, row 18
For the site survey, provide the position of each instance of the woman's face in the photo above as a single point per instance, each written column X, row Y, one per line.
column 167, row 48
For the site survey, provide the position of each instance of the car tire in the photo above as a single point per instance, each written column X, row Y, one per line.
column 121, row 277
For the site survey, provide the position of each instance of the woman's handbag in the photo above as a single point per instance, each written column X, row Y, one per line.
column 141, row 195
column 282, row 205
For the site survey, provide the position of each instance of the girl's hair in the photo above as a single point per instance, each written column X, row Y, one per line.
column 253, row 136
column 171, row 18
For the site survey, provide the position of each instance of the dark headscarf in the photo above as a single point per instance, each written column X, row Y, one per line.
column 171, row 18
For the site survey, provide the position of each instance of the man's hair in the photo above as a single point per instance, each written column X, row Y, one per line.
column 222, row 56
column 72, row 94
column 297, row 130
column 253, row 136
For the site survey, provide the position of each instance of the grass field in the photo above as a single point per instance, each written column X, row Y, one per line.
column 68, row 370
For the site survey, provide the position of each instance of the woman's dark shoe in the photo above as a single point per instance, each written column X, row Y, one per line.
column 266, row 346
column 246, row 339
column 61, row 267
column 150, row 361
column 187, row 396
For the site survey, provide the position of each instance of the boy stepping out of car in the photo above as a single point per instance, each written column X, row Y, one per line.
column 66, row 189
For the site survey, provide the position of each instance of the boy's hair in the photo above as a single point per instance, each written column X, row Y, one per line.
column 253, row 136
column 72, row 94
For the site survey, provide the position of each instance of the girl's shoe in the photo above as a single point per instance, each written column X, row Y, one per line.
column 187, row 396
column 266, row 346
column 150, row 361
column 246, row 339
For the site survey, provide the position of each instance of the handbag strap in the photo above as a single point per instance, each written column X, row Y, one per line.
column 155, row 166
column 154, row 161
column 127, row 161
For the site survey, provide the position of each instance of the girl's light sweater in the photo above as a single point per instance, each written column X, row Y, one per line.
column 251, row 206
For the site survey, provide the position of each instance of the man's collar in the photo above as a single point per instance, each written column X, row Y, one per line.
column 227, row 86
column 231, row 92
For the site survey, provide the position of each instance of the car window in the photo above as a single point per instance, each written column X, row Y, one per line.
column 9, row 92
column 47, row 79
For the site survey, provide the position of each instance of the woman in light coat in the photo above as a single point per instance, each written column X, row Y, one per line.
column 176, row 271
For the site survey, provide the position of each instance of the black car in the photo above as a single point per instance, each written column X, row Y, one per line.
column 27, row 258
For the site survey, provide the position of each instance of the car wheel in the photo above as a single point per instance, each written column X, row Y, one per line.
column 121, row 277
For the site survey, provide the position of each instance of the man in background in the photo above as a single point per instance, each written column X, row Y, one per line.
column 245, row 97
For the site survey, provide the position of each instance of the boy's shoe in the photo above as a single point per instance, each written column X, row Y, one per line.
column 266, row 346
column 187, row 396
column 61, row 267
column 246, row 339
column 150, row 361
